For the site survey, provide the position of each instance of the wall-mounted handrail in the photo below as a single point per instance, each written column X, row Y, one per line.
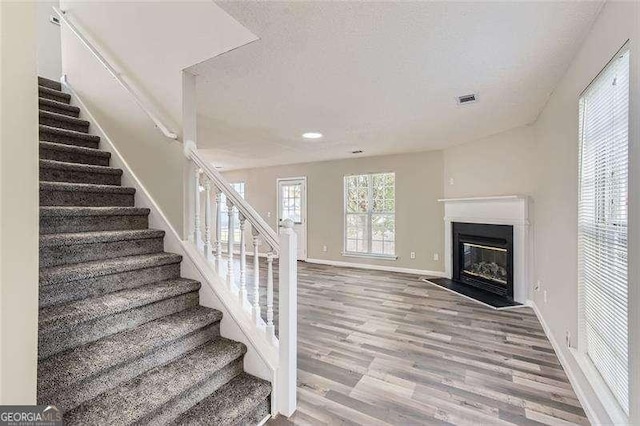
column 116, row 74
column 244, row 208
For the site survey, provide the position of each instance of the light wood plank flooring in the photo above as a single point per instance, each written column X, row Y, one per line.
column 379, row 348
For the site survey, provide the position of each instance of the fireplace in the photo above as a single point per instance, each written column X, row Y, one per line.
column 483, row 256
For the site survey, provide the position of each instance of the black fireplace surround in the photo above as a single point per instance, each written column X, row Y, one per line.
column 483, row 256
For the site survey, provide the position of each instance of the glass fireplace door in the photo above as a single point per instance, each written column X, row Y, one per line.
column 485, row 262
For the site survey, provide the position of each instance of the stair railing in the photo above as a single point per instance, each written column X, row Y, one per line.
column 207, row 240
column 206, row 232
column 120, row 77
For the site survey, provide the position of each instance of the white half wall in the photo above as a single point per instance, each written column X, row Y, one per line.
column 18, row 204
column 49, row 45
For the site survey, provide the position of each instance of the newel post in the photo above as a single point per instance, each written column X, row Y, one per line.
column 288, row 319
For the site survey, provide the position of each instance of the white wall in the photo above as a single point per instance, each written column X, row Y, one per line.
column 501, row 164
column 419, row 216
column 49, row 48
column 18, row 204
column 556, row 194
column 176, row 35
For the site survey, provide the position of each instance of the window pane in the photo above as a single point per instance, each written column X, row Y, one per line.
column 602, row 224
column 370, row 213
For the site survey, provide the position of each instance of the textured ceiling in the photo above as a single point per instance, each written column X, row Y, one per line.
column 380, row 77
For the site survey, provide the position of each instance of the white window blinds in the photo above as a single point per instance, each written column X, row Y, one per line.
column 604, row 139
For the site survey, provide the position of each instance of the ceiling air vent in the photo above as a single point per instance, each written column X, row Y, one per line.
column 467, row 99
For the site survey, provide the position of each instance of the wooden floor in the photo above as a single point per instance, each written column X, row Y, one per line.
column 382, row 348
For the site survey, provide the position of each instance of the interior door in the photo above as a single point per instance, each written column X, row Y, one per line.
column 292, row 204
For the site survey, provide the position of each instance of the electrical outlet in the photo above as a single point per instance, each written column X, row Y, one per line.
column 545, row 296
column 568, row 338
column 324, row 249
column 268, row 214
column 413, row 254
column 436, row 256
column 537, row 286
column 451, row 181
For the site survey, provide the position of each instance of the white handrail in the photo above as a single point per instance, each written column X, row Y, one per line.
column 116, row 74
column 266, row 231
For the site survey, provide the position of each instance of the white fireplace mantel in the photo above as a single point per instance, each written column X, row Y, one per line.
column 499, row 210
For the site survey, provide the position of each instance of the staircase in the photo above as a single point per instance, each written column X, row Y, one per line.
column 122, row 337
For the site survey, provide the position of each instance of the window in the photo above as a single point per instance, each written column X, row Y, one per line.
column 370, row 220
column 224, row 216
column 602, row 225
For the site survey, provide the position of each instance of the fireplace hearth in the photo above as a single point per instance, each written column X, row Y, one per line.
column 483, row 256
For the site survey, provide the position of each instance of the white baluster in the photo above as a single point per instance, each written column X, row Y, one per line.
column 196, row 222
column 270, row 328
column 207, row 220
column 256, row 278
column 230, row 238
column 218, row 225
column 243, row 263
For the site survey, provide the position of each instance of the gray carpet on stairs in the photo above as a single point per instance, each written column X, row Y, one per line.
column 122, row 338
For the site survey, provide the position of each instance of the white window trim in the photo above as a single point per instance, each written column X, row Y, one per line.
column 604, row 394
column 356, row 254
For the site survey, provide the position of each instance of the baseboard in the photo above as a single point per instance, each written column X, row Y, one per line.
column 570, row 372
column 376, row 267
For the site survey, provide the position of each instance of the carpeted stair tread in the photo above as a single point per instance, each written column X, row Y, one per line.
column 64, row 333
column 68, row 137
column 135, row 400
column 63, row 121
column 66, row 368
column 228, row 404
column 48, row 93
column 63, row 152
column 85, row 187
column 85, row 195
column 69, row 314
column 62, row 165
column 45, row 104
column 70, row 211
column 68, row 248
column 62, row 171
column 67, row 273
column 53, row 240
column 61, row 219
column 146, row 269
column 51, row 84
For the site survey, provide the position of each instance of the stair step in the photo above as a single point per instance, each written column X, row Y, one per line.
column 63, row 121
column 59, row 220
column 85, row 195
column 166, row 390
column 60, row 284
column 73, row 154
column 244, row 396
column 61, row 249
column 51, row 84
column 69, row 325
column 68, row 378
column 55, row 95
column 58, row 107
column 60, row 171
column 68, row 137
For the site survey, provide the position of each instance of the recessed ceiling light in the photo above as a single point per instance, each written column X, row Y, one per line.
column 357, row 151
column 312, row 135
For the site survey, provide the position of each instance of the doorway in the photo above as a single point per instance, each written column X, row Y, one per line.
column 292, row 204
